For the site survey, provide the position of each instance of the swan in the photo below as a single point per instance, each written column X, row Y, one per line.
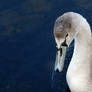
column 67, row 27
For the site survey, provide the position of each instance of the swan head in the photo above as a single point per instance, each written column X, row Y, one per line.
column 64, row 33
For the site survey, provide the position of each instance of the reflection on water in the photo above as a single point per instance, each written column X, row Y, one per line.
column 27, row 46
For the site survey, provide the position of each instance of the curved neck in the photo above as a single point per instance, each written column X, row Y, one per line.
column 83, row 42
column 82, row 50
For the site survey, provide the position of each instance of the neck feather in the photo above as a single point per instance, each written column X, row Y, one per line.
column 82, row 50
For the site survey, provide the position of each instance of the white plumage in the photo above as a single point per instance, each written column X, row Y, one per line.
column 79, row 73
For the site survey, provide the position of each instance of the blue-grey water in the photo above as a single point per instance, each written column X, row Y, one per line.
column 27, row 46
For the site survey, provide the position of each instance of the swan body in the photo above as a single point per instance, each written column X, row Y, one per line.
column 79, row 73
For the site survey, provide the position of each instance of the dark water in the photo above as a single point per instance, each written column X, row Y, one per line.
column 27, row 46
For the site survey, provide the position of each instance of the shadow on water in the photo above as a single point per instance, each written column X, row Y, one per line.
column 27, row 46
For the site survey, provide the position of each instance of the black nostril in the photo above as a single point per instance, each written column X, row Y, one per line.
column 57, row 70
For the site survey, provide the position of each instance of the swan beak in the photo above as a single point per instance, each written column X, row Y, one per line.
column 60, row 57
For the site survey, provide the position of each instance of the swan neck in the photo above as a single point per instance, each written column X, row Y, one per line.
column 82, row 46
